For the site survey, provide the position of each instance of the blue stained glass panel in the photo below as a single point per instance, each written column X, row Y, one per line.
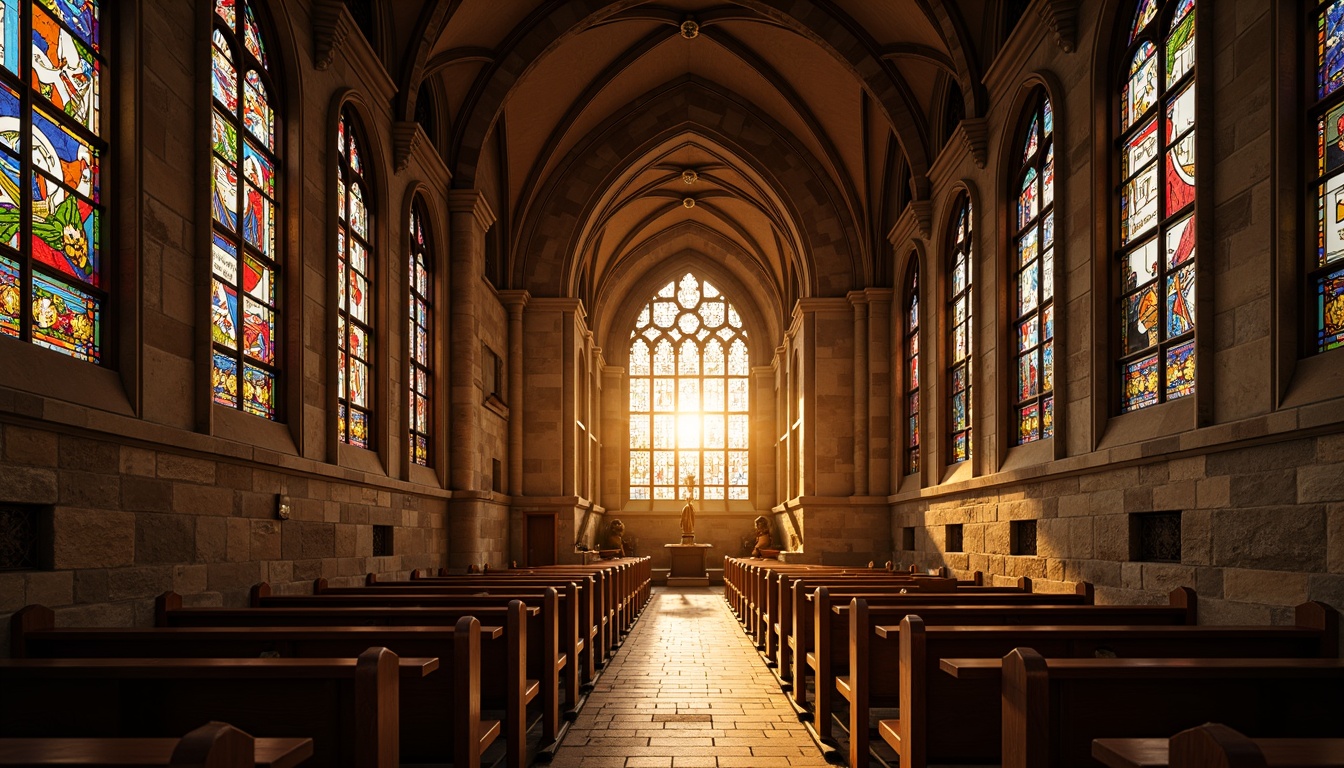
column 1330, row 49
column 61, row 155
column 64, row 71
column 224, row 76
column 224, row 194
column 1140, row 384
column 66, row 319
column 1142, row 15
column 257, row 116
column 1181, row 370
column 79, row 15
column 252, row 35
column 1180, row 301
column 9, row 35
column 224, row 380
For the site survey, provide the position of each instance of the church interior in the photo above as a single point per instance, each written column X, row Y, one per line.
column 351, row 294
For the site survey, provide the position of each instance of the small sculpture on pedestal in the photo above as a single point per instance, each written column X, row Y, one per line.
column 688, row 512
column 614, row 544
column 763, row 540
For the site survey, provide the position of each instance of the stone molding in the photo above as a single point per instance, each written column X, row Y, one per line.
column 975, row 136
column 331, row 25
column 1062, row 18
column 406, row 136
column 472, row 201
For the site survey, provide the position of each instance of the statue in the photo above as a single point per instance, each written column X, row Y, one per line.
column 615, row 538
column 688, row 512
column 762, row 536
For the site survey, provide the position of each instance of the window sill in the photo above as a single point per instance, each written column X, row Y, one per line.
column 362, row 459
column 39, row 371
column 233, row 424
column 424, row 476
column 1032, row 454
column 1166, row 420
column 1316, row 379
column 959, row 472
column 493, row 403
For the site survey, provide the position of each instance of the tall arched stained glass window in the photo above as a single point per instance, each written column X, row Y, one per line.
column 421, row 373
column 243, row 199
column 1157, row 196
column 911, row 335
column 1325, row 265
column 354, row 280
column 690, row 394
column 962, row 349
column 1033, row 257
column 53, row 271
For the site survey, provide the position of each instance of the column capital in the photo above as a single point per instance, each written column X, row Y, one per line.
column 473, row 202
column 515, row 298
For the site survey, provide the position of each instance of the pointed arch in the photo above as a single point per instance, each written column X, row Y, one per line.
column 421, row 321
column 690, row 393
column 960, row 365
column 247, row 184
column 910, row 325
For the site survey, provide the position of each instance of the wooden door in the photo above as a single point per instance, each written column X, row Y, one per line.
column 541, row 540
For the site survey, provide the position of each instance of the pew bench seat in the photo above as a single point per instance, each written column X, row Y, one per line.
column 1277, row 753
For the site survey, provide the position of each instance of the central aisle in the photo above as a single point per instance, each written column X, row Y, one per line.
column 687, row 689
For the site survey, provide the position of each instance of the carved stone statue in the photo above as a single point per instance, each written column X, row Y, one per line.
column 763, row 540
column 688, row 511
column 615, row 538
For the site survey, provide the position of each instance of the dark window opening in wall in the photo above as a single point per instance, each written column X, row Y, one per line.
column 908, row 538
column 382, row 540
column 1023, row 536
column 492, row 374
column 1155, row 537
column 424, row 113
column 954, row 538
column 954, row 110
column 362, row 11
column 497, row 475
column 24, row 537
column 1013, row 12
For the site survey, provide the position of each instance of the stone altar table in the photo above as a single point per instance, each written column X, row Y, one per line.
column 688, row 565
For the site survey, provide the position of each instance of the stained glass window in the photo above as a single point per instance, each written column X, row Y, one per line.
column 690, row 394
column 1033, row 263
column 911, row 322
column 244, row 194
column 53, row 271
column 420, row 334
column 962, row 349
column 1325, row 267
column 1156, row 258
column 354, row 280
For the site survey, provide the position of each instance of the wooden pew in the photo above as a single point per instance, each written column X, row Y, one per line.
column 1214, row 745
column 1053, row 709
column 947, row 720
column 820, row 640
column 349, row 707
column 577, row 644
column 213, row 745
column 431, row 708
column 544, row 634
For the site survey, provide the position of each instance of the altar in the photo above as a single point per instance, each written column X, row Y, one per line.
column 688, row 565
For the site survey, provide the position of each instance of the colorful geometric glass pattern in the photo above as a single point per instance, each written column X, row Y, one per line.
column 1325, row 267
column 421, row 337
column 912, row 373
column 690, row 394
column 1156, row 269
column 1033, row 263
column 244, row 199
column 962, row 351
column 53, row 279
column 354, row 291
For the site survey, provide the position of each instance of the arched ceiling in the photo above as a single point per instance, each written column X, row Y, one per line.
column 578, row 118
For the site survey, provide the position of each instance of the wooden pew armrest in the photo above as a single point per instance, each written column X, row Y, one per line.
column 890, row 730
column 842, row 685
column 489, row 732
column 812, row 659
column 530, row 690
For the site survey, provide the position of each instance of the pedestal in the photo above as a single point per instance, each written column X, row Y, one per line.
column 688, row 565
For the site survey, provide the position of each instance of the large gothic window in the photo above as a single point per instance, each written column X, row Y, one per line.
column 243, row 193
column 962, row 349
column 911, row 335
column 1034, row 269
column 53, row 274
column 354, row 301
column 1157, row 197
column 1325, row 265
column 689, row 394
column 421, row 373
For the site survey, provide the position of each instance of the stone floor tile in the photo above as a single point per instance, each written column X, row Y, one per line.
column 687, row 690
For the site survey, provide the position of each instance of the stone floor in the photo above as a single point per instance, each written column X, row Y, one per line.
column 687, row 689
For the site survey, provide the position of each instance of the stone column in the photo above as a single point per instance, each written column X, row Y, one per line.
column 568, row 407
column 880, row 405
column 515, row 301
column 470, row 218
column 860, row 301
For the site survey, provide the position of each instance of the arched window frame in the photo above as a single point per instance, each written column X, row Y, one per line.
column 960, row 348
column 56, row 275
column 1161, row 310
column 910, row 325
column 246, row 185
column 420, row 320
column 1323, row 286
column 655, row 480
column 1032, row 256
column 356, row 276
